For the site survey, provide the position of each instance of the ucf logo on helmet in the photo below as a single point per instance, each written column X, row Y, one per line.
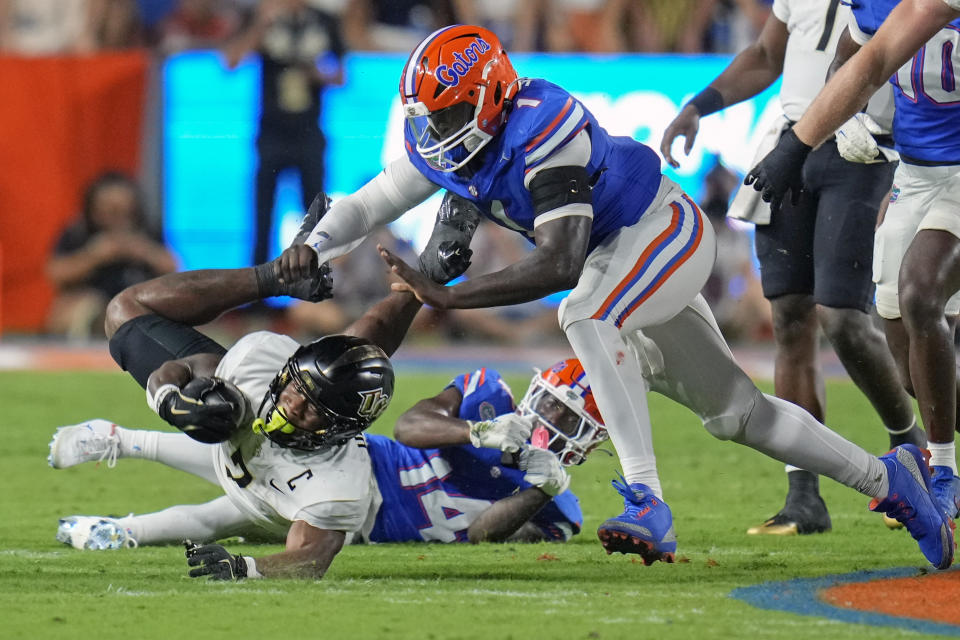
column 450, row 75
column 373, row 404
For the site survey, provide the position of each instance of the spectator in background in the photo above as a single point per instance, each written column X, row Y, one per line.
column 669, row 25
column 516, row 22
column 113, row 24
column 589, row 26
column 293, row 39
column 394, row 25
column 197, row 24
column 108, row 249
column 43, row 27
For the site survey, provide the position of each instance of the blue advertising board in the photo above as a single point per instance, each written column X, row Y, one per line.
column 210, row 125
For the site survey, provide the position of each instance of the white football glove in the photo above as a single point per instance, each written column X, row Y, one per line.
column 855, row 140
column 508, row 432
column 543, row 470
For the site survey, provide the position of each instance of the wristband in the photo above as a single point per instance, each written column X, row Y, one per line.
column 251, row 564
column 268, row 283
column 155, row 400
column 707, row 101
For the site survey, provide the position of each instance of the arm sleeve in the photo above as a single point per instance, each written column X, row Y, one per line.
column 398, row 188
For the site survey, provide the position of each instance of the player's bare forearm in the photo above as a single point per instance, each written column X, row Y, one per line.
column 906, row 29
column 506, row 516
column 386, row 323
column 756, row 67
column 309, row 553
column 190, row 297
column 554, row 265
column 524, row 281
column 433, row 422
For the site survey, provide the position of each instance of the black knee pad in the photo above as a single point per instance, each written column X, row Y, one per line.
column 144, row 343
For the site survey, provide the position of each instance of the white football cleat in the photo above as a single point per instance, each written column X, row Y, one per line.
column 94, row 440
column 94, row 533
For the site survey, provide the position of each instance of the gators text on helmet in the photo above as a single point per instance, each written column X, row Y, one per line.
column 454, row 89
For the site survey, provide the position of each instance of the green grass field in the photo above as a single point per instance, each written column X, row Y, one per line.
column 573, row 590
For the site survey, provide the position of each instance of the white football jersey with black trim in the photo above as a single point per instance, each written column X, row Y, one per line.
column 329, row 489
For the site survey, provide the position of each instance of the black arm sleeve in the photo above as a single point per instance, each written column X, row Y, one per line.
column 558, row 186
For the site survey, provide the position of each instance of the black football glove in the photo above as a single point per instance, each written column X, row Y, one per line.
column 206, row 409
column 318, row 286
column 447, row 254
column 780, row 171
column 215, row 561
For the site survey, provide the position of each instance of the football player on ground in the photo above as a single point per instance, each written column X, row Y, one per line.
column 635, row 249
column 815, row 257
column 450, row 486
column 917, row 248
column 269, row 393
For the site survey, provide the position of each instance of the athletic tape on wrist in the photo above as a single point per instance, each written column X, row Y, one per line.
column 156, row 399
column 252, row 573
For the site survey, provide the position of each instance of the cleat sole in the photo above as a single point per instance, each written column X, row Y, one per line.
column 620, row 542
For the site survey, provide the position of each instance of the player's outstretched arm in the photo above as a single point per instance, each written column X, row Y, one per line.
column 906, row 29
column 433, row 422
column 554, row 264
column 308, row 555
column 394, row 191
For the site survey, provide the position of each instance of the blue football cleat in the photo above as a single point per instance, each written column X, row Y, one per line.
column 645, row 527
column 945, row 487
column 910, row 502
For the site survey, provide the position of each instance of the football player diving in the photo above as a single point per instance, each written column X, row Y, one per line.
column 278, row 426
column 635, row 251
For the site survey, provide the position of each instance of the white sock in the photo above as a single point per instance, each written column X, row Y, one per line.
column 176, row 450
column 618, row 387
column 943, row 454
column 206, row 522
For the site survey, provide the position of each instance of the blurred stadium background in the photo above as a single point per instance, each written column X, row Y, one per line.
column 142, row 86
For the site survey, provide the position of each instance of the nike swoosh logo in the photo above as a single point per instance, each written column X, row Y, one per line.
column 179, row 412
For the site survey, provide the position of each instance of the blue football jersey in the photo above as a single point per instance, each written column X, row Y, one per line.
column 926, row 125
column 625, row 173
column 434, row 494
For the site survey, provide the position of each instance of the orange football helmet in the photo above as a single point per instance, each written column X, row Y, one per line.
column 561, row 402
column 454, row 90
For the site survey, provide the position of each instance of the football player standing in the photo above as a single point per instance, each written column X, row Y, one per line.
column 917, row 248
column 815, row 256
column 634, row 249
